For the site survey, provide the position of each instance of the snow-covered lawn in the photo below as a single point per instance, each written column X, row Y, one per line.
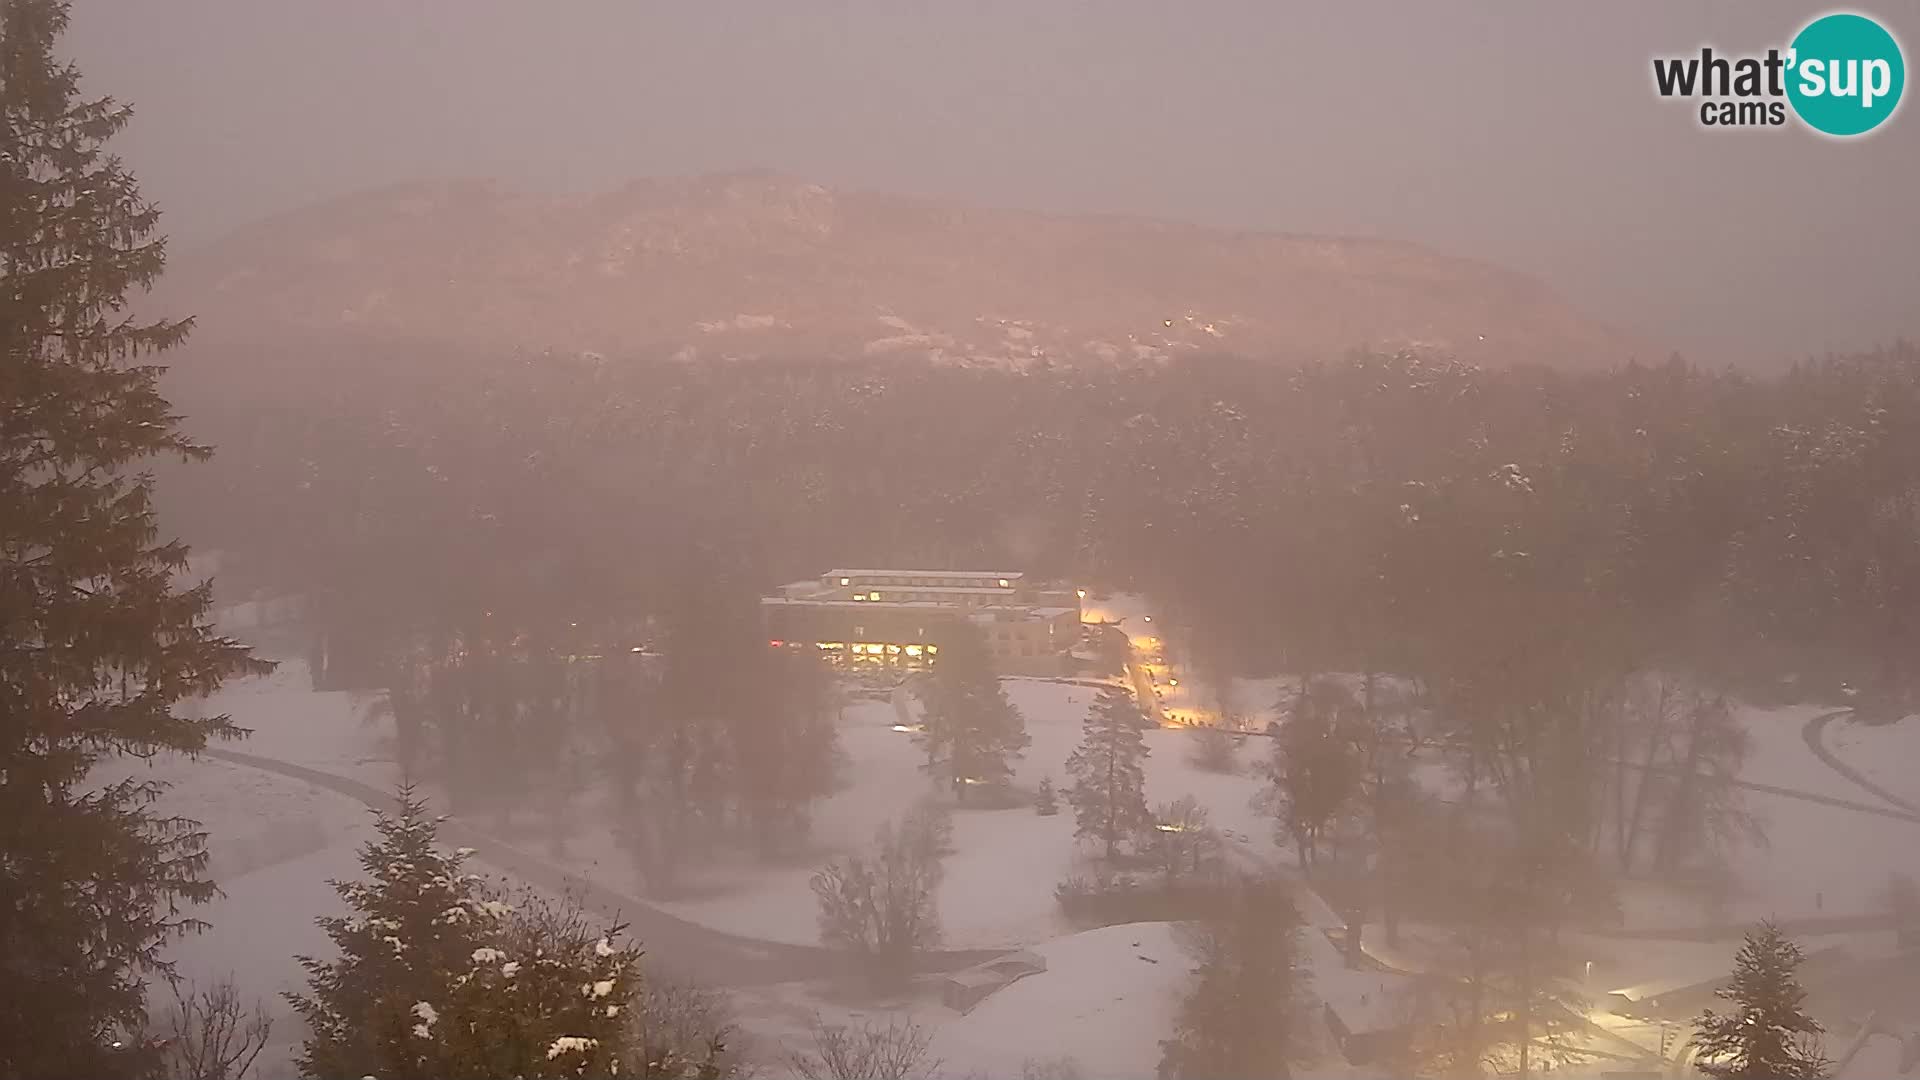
column 1819, row 861
column 1780, row 757
column 999, row 883
column 325, row 730
column 272, row 844
column 1888, row 755
column 1106, row 1000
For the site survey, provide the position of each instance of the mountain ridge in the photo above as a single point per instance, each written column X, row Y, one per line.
column 753, row 265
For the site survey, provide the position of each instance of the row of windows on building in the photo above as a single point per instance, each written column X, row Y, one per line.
column 875, row 595
column 931, row 583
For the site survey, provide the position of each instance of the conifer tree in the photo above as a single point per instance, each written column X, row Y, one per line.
column 417, row 923
column 1109, row 791
column 1315, row 771
column 1767, row 1033
column 973, row 732
column 1045, row 802
column 1243, row 1014
column 97, row 641
column 436, row 977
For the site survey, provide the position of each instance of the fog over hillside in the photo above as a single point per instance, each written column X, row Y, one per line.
column 760, row 265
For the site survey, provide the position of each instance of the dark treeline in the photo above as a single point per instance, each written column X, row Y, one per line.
column 1379, row 513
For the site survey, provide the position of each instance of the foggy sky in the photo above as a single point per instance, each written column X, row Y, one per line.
column 1526, row 134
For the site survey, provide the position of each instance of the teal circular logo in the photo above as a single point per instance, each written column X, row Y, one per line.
column 1845, row 74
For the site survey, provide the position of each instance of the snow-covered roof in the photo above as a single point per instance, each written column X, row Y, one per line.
column 987, row 575
column 1106, row 1000
column 968, row 590
column 975, row 977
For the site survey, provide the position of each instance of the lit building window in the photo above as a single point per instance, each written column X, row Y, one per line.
column 1003, row 583
column 846, row 581
column 874, row 595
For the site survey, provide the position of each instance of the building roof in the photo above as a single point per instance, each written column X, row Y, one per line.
column 969, row 590
column 983, row 574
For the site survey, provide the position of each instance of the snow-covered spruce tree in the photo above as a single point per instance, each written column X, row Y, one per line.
column 1768, row 1033
column 1109, row 786
column 973, row 732
column 438, row 978
column 416, row 927
column 550, row 999
column 97, row 644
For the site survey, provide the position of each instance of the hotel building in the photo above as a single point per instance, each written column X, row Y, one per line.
column 900, row 617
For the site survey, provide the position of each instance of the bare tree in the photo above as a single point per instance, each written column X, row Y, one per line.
column 897, row 1051
column 678, row 1021
column 881, row 907
column 210, row 1036
column 1180, row 841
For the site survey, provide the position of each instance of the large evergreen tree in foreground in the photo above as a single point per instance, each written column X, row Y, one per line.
column 436, row 977
column 1768, row 1033
column 97, row 644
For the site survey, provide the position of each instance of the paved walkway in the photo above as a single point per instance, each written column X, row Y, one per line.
column 682, row 947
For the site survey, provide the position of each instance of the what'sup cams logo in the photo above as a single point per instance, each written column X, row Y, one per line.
column 1842, row 75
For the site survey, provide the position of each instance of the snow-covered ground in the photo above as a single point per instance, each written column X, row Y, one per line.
column 999, row 883
column 1104, row 1004
column 327, row 730
column 272, row 844
column 275, row 841
column 1109, row 993
column 1779, row 754
column 1888, row 754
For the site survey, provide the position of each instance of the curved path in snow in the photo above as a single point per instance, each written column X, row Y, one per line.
column 1815, row 733
column 715, row 956
column 682, row 947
